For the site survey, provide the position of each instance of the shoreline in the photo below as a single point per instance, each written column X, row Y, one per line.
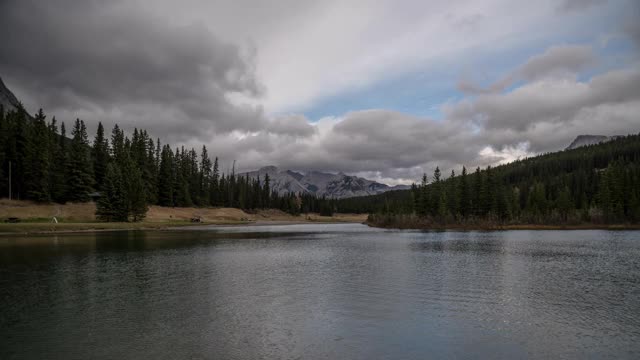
column 21, row 229
column 35, row 228
column 37, row 218
column 511, row 227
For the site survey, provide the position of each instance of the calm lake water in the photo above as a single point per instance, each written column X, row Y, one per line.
column 320, row 292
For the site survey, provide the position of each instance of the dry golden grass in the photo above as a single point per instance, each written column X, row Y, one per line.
column 40, row 227
column 76, row 217
column 159, row 213
column 26, row 210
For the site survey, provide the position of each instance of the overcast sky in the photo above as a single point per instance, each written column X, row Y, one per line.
column 383, row 89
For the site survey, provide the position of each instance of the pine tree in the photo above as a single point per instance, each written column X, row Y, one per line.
column 634, row 207
column 443, row 212
column 423, row 197
column 515, row 206
column 100, row 156
column 59, row 186
column 166, row 176
column 415, row 198
column 266, row 190
column 38, row 162
column 437, row 194
column 117, row 145
column 205, row 177
column 490, row 193
column 452, row 194
column 150, row 173
column 616, row 175
column 478, row 193
column 193, row 177
column 181, row 194
column 604, row 196
column 502, row 202
column 134, row 190
column 537, row 203
column 112, row 204
column 79, row 170
column 214, row 192
column 21, row 153
column 465, row 194
column 4, row 142
column 564, row 203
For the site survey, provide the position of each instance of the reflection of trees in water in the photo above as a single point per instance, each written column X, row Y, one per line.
column 559, row 294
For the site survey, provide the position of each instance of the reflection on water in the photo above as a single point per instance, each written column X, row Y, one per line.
column 320, row 291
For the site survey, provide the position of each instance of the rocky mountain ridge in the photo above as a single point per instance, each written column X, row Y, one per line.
column 7, row 99
column 585, row 140
column 319, row 183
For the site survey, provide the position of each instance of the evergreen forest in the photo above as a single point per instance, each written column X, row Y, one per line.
column 596, row 184
column 124, row 175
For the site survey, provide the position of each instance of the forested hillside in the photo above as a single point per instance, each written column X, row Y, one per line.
column 592, row 184
column 125, row 174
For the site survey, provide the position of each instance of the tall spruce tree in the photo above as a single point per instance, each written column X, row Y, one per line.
column 478, row 189
column 166, row 175
column 266, row 191
column 112, row 204
column 423, row 209
column 205, row 177
column 100, row 156
column 465, row 194
column 80, row 180
column 134, row 190
column 564, row 203
column 117, row 145
column 37, row 161
column 59, row 184
column 452, row 194
column 22, row 152
column 214, row 192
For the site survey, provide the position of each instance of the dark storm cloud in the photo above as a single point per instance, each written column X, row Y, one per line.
column 108, row 61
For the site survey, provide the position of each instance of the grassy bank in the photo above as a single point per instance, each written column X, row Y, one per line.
column 38, row 218
column 417, row 223
column 40, row 227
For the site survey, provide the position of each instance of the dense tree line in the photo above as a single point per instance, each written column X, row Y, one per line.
column 597, row 184
column 593, row 184
column 125, row 174
column 395, row 201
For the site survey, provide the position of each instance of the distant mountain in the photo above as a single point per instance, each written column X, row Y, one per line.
column 584, row 140
column 7, row 99
column 337, row 186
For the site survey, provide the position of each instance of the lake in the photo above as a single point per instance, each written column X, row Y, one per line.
column 326, row 291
